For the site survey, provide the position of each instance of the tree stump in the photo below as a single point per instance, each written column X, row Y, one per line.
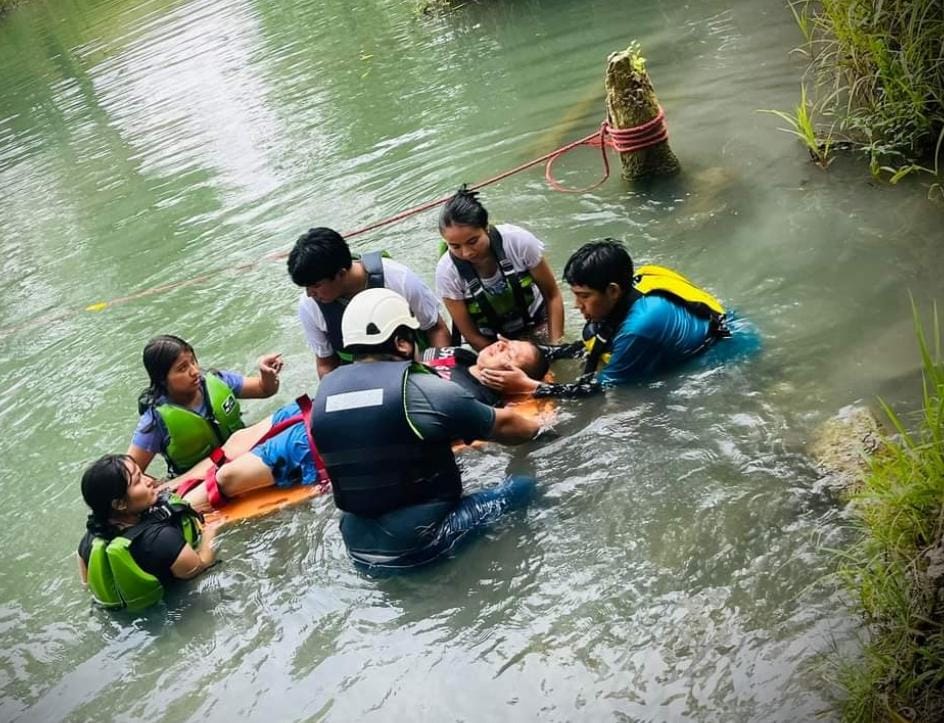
column 631, row 101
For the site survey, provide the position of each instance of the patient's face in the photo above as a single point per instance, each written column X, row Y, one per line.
column 504, row 354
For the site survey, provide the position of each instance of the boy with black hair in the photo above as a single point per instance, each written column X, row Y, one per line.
column 321, row 263
column 638, row 324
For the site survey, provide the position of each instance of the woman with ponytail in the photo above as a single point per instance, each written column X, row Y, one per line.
column 494, row 280
column 160, row 535
column 186, row 414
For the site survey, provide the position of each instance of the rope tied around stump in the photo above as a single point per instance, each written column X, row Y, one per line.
column 622, row 140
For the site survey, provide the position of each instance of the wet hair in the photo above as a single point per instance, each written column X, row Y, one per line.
column 600, row 263
column 318, row 255
column 389, row 346
column 463, row 209
column 103, row 482
column 159, row 357
column 540, row 367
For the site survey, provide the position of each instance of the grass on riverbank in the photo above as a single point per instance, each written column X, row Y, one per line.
column 896, row 568
column 877, row 75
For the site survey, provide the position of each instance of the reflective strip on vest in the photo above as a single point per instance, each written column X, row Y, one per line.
column 375, row 458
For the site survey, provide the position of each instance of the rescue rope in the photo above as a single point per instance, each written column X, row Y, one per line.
column 622, row 140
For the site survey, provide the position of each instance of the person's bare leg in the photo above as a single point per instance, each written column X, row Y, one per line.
column 239, row 442
column 243, row 474
column 243, row 440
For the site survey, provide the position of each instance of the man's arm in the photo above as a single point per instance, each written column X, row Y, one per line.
column 512, row 428
column 326, row 356
column 438, row 334
column 325, row 364
column 443, row 410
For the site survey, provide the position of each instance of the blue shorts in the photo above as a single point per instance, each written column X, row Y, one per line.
column 288, row 455
column 283, row 413
column 420, row 534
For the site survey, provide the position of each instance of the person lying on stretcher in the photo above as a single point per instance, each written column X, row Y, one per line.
column 280, row 446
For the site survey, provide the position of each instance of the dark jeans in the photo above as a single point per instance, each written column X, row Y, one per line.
column 417, row 535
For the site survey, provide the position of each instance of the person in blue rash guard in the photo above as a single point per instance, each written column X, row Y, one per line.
column 642, row 323
column 384, row 426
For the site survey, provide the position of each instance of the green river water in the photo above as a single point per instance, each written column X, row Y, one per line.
column 673, row 569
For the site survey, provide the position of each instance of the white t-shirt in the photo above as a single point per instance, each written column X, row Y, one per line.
column 397, row 277
column 523, row 249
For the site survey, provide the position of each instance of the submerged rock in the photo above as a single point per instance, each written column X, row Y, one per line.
column 841, row 446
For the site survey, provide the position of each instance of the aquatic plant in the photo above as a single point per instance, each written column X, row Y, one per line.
column 896, row 567
column 877, row 68
column 818, row 144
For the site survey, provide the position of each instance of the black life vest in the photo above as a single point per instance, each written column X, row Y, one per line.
column 508, row 313
column 332, row 312
column 377, row 461
column 453, row 363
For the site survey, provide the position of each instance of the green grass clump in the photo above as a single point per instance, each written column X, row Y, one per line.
column 896, row 568
column 877, row 72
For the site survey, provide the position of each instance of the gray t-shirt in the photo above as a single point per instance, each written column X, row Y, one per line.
column 441, row 410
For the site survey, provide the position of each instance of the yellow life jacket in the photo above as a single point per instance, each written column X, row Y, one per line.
column 663, row 281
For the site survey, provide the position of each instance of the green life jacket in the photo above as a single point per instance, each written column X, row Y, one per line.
column 507, row 313
column 659, row 280
column 115, row 579
column 193, row 436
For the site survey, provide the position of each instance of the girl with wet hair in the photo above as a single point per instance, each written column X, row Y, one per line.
column 158, row 531
column 494, row 279
column 186, row 414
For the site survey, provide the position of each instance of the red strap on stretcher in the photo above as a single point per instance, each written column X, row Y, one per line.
column 215, row 495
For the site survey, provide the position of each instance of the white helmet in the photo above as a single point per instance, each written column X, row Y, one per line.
column 373, row 315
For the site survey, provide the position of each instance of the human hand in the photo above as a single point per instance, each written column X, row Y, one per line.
column 546, row 419
column 508, row 381
column 269, row 367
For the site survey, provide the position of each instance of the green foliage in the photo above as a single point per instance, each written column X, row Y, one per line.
column 896, row 568
column 877, row 68
column 801, row 126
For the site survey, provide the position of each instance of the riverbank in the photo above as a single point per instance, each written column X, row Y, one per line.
column 875, row 82
column 896, row 568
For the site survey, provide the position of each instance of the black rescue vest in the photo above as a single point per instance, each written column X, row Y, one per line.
column 377, row 461
column 509, row 313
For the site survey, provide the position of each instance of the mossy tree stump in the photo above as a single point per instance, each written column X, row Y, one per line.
column 631, row 101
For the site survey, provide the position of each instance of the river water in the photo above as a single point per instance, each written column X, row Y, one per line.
column 674, row 567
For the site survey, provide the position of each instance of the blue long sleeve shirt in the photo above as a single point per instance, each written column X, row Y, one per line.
column 656, row 335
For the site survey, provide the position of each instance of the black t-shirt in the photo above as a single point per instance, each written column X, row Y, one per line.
column 155, row 549
column 452, row 363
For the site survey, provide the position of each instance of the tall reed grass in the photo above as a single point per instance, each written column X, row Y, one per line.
column 896, row 568
column 876, row 77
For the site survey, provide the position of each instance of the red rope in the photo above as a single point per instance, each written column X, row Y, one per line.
column 621, row 140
